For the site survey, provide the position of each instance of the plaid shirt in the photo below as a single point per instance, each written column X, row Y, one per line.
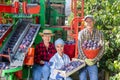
column 41, row 53
column 85, row 35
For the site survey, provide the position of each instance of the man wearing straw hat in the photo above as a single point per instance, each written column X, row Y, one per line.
column 43, row 52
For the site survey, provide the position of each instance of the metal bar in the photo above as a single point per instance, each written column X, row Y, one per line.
column 42, row 12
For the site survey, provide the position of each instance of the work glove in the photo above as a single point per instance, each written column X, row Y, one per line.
column 48, row 63
column 89, row 62
column 58, row 76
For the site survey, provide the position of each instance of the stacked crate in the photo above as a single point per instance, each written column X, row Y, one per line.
column 57, row 12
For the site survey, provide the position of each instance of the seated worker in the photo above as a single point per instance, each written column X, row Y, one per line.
column 59, row 59
column 43, row 52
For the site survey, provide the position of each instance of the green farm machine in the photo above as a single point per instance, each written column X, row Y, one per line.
column 20, row 24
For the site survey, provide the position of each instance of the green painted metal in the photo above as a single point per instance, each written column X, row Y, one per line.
column 6, row 39
column 55, row 15
column 27, row 72
column 22, row 16
column 42, row 12
column 9, row 73
column 52, row 14
column 28, row 1
column 53, row 30
column 58, row 1
column 41, row 15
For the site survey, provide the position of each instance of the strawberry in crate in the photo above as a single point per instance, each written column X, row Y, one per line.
column 91, row 48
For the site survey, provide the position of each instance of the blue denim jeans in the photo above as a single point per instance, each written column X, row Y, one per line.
column 91, row 70
column 68, row 78
column 40, row 72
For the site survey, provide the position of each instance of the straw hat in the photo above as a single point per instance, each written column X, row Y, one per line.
column 46, row 32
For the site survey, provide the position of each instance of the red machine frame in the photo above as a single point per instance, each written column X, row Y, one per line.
column 77, row 22
column 27, row 9
column 9, row 8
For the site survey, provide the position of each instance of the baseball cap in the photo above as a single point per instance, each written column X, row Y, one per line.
column 89, row 16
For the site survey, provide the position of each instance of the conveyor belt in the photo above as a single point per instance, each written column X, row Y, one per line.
column 5, row 29
column 25, row 42
column 20, row 40
column 14, row 37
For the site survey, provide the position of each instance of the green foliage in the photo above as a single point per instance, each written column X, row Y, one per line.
column 9, row 2
column 112, row 48
column 107, row 17
column 116, row 77
column 106, row 12
column 70, row 18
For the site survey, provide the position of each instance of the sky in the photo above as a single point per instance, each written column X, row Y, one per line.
column 68, row 7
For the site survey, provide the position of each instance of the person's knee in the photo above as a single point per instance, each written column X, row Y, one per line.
column 46, row 69
column 36, row 72
column 83, row 75
column 46, row 72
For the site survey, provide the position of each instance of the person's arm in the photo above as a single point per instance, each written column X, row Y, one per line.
column 101, row 52
column 81, row 54
column 6, row 56
column 52, row 68
column 37, row 58
column 67, row 59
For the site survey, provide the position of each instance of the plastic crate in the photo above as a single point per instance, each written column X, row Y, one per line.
column 65, row 74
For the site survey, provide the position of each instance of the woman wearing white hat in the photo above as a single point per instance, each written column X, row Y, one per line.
column 59, row 59
column 43, row 52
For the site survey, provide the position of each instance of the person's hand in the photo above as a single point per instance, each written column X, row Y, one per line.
column 58, row 76
column 89, row 62
column 48, row 63
column 41, row 62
